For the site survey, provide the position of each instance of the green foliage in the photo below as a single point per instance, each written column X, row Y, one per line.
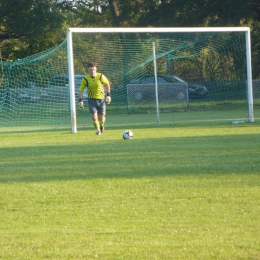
column 27, row 27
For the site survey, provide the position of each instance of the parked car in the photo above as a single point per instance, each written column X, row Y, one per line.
column 28, row 91
column 60, row 83
column 194, row 90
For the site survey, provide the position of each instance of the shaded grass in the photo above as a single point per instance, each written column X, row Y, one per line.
column 170, row 193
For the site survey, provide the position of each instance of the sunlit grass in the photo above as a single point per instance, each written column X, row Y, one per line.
column 172, row 192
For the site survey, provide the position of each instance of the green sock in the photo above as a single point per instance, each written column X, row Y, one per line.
column 96, row 125
column 102, row 122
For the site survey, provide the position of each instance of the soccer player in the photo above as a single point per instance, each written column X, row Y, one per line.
column 94, row 82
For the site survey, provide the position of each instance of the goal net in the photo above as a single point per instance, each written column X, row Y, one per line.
column 157, row 75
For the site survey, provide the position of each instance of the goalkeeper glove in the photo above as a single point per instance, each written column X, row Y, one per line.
column 81, row 104
column 108, row 98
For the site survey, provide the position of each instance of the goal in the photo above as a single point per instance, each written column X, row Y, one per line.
column 160, row 73
column 159, row 76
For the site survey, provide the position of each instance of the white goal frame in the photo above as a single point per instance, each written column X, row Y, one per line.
column 70, row 31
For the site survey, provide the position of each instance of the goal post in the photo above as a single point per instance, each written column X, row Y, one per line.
column 156, row 85
column 186, row 49
column 249, row 76
column 71, row 82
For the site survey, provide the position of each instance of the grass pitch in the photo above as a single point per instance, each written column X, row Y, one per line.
column 175, row 192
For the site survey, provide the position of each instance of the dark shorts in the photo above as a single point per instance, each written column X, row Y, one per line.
column 97, row 106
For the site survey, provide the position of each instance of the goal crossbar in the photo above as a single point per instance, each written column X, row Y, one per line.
column 161, row 29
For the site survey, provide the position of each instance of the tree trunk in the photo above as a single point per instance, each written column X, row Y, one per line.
column 114, row 12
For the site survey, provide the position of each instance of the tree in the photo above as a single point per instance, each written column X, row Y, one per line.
column 27, row 27
column 31, row 26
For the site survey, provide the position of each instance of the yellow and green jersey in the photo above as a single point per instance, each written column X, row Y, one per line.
column 94, row 85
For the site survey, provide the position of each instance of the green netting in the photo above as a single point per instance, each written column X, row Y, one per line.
column 34, row 93
column 27, row 102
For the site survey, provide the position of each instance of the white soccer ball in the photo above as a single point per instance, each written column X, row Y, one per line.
column 128, row 134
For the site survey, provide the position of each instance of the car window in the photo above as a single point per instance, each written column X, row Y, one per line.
column 168, row 79
column 27, row 84
column 148, row 80
column 177, row 79
column 143, row 80
column 62, row 81
column 161, row 80
column 58, row 81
